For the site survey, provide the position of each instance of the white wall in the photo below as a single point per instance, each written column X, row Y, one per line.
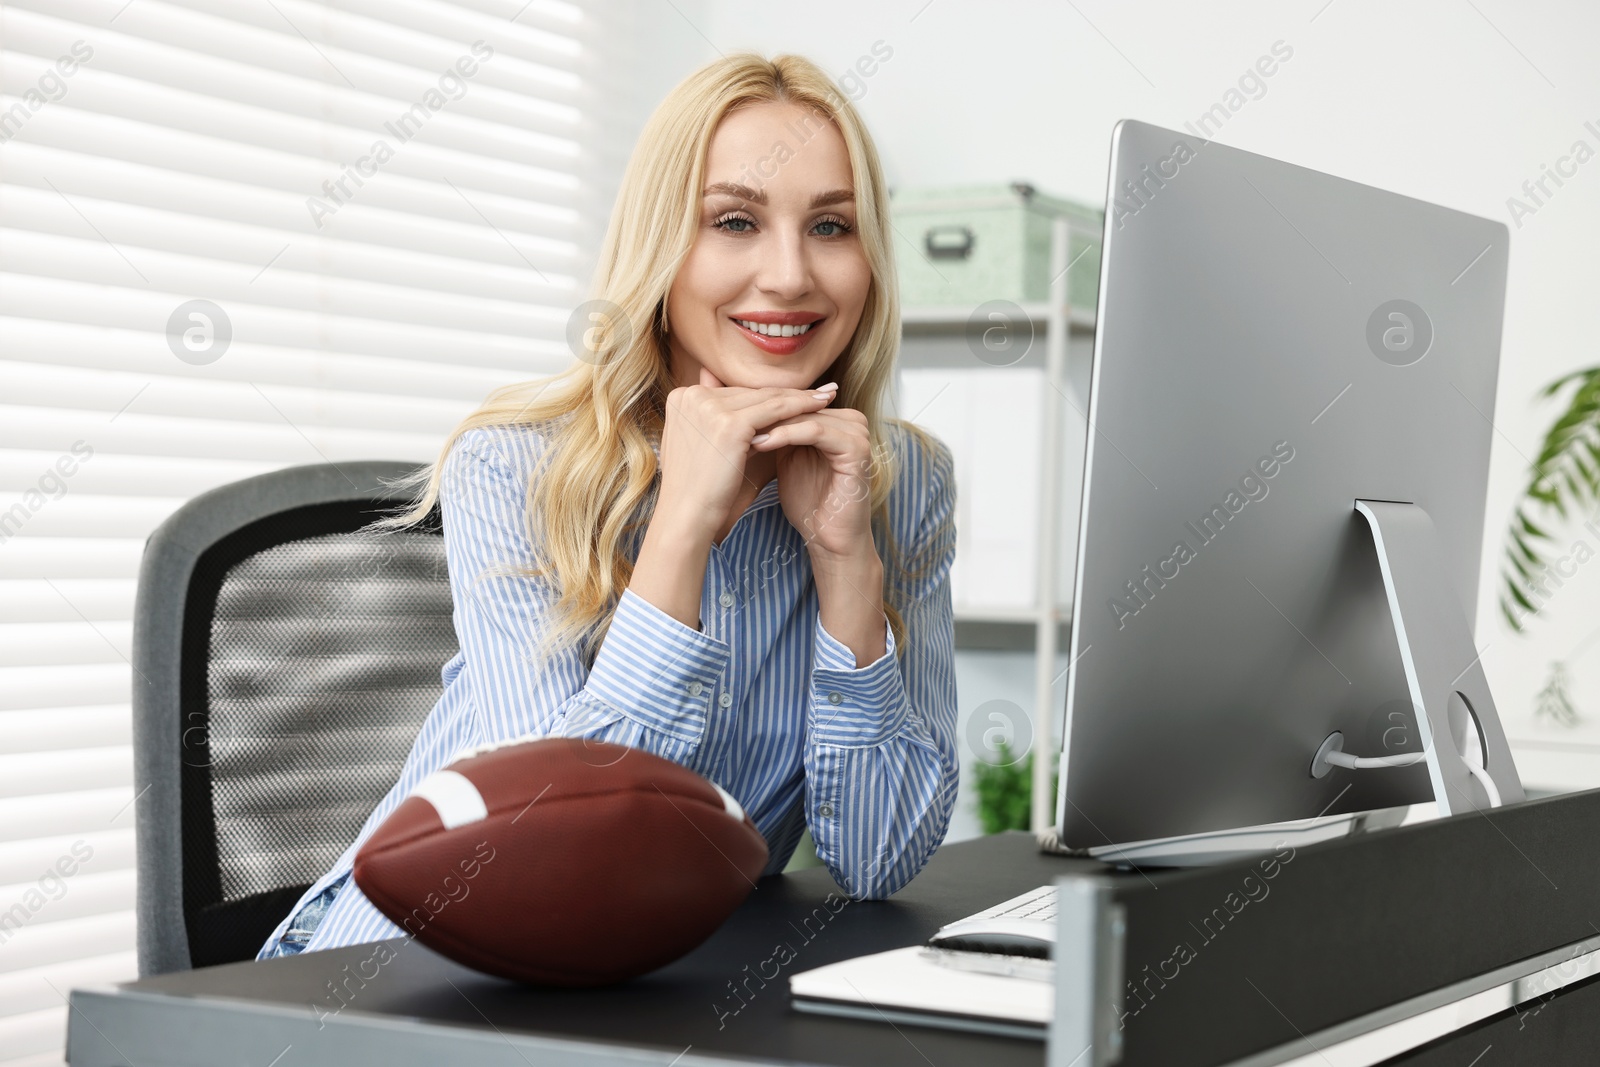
column 1457, row 103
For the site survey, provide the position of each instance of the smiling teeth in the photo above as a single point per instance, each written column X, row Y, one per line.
column 768, row 330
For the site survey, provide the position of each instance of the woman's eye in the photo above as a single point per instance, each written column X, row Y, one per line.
column 744, row 224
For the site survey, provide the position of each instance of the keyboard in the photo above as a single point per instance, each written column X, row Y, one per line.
column 1025, row 925
column 1037, row 904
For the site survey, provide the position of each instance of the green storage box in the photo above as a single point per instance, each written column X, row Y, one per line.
column 959, row 246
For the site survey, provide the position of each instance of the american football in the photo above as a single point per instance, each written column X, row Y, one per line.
column 562, row 861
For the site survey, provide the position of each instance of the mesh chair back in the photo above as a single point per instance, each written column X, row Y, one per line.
column 287, row 658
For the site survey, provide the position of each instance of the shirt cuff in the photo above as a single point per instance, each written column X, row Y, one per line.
column 854, row 706
column 656, row 670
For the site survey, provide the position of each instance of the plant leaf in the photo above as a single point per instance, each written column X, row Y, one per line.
column 1516, row 562
column 1516, row 594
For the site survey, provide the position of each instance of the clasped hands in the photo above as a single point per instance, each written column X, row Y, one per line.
column 824, row 456
column 824, row 473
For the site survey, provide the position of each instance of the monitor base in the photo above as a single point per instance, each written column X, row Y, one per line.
column 1223, row 846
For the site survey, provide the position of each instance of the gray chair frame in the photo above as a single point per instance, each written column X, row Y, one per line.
column 163, row 629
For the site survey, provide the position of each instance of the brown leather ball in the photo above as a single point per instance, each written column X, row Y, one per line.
column 562, row 861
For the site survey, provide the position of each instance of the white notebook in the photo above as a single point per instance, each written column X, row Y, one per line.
column 1009, row 995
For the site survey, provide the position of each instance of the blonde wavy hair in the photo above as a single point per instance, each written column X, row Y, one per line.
column 597, row 481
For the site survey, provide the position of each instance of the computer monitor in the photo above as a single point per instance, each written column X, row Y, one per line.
column 1290, row 417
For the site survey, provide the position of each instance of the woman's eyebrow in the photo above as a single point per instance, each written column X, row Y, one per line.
column 758, row 196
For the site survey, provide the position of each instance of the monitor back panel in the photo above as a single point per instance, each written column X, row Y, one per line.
column 1273, row 343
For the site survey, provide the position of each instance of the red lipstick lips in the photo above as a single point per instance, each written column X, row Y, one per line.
column 778, row 346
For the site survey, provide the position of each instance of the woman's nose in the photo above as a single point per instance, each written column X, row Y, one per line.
column 785, row 270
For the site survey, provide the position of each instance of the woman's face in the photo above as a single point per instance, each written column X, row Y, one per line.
column 777, row 246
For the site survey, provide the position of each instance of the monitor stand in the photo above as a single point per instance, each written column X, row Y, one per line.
column 1443, row 670
column 1448, row 690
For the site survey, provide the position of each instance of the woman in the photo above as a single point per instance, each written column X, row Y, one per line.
column 682, row 543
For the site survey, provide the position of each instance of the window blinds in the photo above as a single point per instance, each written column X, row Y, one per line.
column 237, row 235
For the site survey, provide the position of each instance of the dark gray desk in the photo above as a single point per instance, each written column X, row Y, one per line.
column 421, row 1009
column 1354, row 930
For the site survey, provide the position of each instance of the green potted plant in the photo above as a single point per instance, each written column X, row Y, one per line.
column 1005, row 790
column 1564, row 478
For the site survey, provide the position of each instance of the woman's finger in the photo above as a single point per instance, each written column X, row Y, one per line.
column 738, row 398
column 772, row 412
column 816, row 429
column 710, row 406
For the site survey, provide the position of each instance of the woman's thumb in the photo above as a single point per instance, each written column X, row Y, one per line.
column 707, row 378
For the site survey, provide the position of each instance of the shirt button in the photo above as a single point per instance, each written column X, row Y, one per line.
column 826, row 810
column 726, row 600
column 695, row 688
column 725, row 699
column 834, row 698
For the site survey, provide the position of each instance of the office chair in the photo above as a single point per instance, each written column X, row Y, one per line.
column 284, row 660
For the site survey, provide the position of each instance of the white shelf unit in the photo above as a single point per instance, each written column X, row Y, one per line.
column 1057, row 318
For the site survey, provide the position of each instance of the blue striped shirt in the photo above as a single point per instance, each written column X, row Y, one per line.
column 761, row 700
